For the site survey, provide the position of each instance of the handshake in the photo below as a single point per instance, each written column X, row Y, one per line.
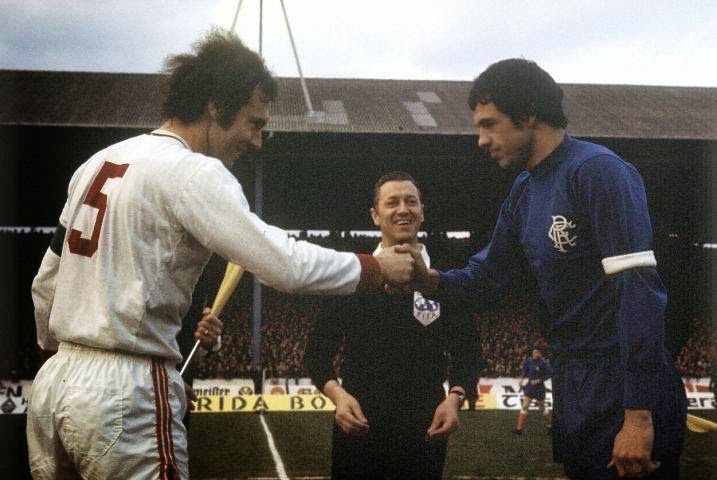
column 404, row 270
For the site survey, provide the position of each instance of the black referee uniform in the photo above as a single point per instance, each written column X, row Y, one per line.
column 395, row 367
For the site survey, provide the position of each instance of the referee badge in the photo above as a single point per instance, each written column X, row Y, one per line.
column 425, row 310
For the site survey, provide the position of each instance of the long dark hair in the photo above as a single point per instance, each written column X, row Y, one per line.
column 221, row 69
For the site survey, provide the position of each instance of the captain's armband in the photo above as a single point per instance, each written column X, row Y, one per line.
column 620, row 263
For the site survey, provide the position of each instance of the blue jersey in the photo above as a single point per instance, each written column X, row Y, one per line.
column 536, row 369
column 580, row 221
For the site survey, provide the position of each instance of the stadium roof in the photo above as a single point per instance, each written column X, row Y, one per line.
column 126, row 100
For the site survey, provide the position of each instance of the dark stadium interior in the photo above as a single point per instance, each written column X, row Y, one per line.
column 323, row 181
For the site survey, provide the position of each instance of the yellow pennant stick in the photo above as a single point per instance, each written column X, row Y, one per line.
column 700, row 425
column 229, row 283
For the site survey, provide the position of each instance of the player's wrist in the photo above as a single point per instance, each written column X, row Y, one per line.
column 372, row 277
column 638, row 417
column 458, row 396
column 428, row 283
column 334, row 391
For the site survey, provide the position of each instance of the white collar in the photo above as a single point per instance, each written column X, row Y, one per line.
column 166, row 133
column 421, row 247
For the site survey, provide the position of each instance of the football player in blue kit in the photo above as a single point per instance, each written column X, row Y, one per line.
column 537, row 370
column 577, row 217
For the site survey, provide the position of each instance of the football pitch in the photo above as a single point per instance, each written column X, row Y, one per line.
column 279, row 445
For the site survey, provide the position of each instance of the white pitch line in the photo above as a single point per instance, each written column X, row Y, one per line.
column 274, row 452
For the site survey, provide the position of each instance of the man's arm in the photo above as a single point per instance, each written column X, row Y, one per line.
column 464, row 347
column 43, row 290
column 349, row 416
column 209, row 331
column 214, row 210
column 323, row 345
column 445, row 418
column 487, row 273
column 45, row 282
column 613, row 196
column 462, row 343
column 523, row 374
column 324, row 342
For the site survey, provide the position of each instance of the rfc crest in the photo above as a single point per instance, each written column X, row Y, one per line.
column 425, row 310
column 559, row 233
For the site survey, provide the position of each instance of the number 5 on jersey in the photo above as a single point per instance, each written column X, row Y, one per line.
column 95, row 198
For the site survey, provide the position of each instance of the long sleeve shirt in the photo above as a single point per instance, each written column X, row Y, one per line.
column 142, row 218
column 580, row 221
column 396, row 355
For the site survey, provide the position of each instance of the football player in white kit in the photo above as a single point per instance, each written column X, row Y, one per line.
column 140, row 222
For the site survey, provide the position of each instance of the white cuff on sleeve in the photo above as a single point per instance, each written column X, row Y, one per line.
column 620, row 263
column 215, row 348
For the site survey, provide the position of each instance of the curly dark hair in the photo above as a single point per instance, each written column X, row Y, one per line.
column 520, row 88
column 222, row 70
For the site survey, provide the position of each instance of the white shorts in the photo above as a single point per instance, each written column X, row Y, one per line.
column 97, row 414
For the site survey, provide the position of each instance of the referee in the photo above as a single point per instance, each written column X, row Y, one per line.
column 393, row 416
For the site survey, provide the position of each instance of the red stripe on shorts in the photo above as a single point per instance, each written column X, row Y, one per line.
column 165, row 446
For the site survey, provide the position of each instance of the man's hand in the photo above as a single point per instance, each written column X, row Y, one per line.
column 424, row 280
column 445, row 419
column 397, row 268
column 349, row 416
column 208, row 329
column 191, row 397
column 535, row 382
column 633, row 445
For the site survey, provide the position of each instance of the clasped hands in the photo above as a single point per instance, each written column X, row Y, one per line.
column 405, row 271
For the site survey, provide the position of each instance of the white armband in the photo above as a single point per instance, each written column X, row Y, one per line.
column 620, row 263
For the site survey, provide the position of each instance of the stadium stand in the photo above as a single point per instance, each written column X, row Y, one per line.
column 506, row 331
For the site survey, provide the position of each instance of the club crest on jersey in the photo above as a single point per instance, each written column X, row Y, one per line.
column 425, row 310
column 559, row 233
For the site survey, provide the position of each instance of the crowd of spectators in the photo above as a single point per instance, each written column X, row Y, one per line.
column 234, row 359
column 697, row 357
column 285, row 333
column 286, row 321
column 507, row 331
column 507, row 336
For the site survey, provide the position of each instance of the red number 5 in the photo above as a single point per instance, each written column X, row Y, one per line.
column 95, row 198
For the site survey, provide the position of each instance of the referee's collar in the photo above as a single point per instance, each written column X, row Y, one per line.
column 421, row 247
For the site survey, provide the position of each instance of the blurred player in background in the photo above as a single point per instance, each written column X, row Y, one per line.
column 537, row 370
column 393, row 417
column 141, row 220
column 577, row 214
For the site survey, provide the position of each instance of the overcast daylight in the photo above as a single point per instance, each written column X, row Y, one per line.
column 660, row 42
column 395, row 248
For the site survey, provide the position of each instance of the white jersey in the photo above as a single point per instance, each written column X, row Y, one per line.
column 142, row 218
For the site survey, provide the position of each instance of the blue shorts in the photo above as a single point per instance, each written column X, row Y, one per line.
column 588, row 414
column 536, row 392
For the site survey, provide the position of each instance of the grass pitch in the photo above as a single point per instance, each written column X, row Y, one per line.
column 232, row 446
